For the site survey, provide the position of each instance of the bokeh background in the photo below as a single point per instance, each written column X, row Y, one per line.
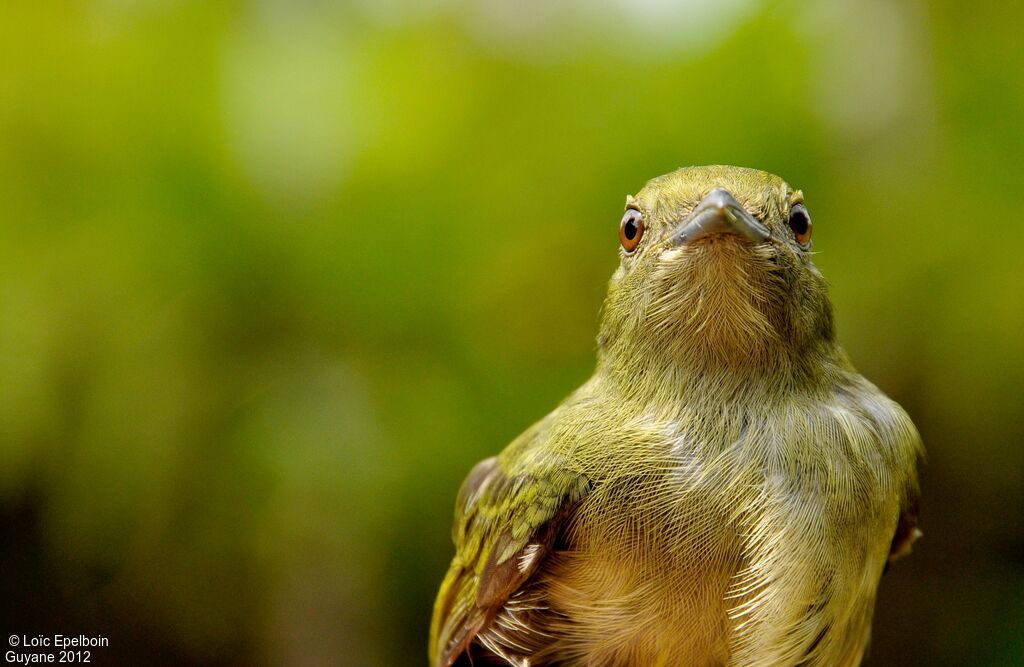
column 274, row 275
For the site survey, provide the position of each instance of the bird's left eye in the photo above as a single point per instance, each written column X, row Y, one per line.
column 631, row 230
column 800, row 223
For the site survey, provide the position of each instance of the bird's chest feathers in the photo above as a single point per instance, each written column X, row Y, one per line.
column 675, row 475
column 713, row 539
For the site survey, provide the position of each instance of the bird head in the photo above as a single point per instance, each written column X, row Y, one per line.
column 716, row 272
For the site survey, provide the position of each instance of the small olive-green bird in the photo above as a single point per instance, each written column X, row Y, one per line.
column 724, row 490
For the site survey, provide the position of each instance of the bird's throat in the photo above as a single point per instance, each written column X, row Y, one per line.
column 725, row 304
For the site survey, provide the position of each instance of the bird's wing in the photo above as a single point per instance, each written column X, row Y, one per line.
column 507, row 517
column 907, row 531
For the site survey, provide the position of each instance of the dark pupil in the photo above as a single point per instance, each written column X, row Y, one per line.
column 630, row 229
column 798, row 222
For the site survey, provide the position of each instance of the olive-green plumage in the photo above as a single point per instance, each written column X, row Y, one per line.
column 724, row 490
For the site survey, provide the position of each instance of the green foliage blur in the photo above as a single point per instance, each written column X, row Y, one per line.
column 274, row 275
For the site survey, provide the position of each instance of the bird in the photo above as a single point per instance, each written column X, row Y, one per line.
column 725, row 489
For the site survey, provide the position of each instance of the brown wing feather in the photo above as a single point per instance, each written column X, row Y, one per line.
column 907, row 531
column 506, row 523
column 498, row 583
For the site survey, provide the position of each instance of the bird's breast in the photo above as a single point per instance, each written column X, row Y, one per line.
column 647, row 566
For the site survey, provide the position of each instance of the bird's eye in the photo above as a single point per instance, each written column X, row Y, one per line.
column 800, row 223
column 631, row 230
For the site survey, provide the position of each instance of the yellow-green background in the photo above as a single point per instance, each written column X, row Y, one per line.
column 274, row 275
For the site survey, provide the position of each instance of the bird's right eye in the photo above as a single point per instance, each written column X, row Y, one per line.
column 631, row 230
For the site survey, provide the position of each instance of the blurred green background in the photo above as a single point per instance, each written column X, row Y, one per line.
column 274, row 275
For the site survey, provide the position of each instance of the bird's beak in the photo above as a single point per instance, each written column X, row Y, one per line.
column 719, row 213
